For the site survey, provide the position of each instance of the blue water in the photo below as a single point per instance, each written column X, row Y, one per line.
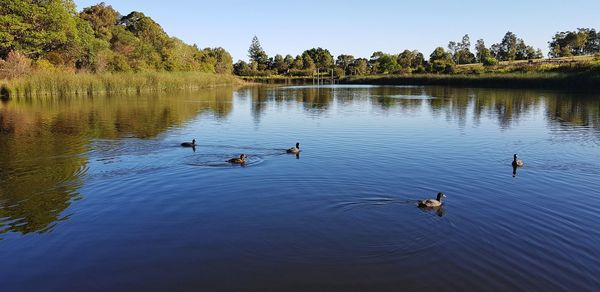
column 98, row 194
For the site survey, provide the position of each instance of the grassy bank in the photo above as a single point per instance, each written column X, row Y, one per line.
column 60, row 84
column 581, row 80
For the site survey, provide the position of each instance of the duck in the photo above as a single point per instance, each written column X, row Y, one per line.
column 240, row 160
column 294, row 150
column 188, row 144
column 517, row 162
column 432, row 203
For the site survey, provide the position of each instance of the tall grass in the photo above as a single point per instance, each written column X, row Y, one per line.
column 60, row 84
column 583, row 81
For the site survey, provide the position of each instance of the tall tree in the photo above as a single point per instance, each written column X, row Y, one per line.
column 482, row 52
column 257, row 54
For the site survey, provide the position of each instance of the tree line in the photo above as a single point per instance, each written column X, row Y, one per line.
column 51, row 34
column 441, row 60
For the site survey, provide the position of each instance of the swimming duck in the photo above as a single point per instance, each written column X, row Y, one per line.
column 431, row 203
column 188, row 144
column 294, row 150
column 517, row 162
column 240, row 160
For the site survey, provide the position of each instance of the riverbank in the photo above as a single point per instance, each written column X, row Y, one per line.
column 589, row 81
column 61, row 84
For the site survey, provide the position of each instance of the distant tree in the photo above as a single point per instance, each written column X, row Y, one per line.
column 387, row 64
column 506, row 50
column 410, row 60
column 298, row 63
column 322, row 58
column 405, row 59
column 344, row 62
column 360, row 66
column 257, row 54
column 241, row 68
column 220, row 59
column 288, row 61
column 461, row 51
column 279, row 64
column 307, row 62
column 482, row 52
column 441, row 61
column 584, row 41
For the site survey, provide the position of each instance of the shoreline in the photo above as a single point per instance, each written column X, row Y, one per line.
column 585, row 81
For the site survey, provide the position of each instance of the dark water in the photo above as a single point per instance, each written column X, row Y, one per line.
column 97, row 194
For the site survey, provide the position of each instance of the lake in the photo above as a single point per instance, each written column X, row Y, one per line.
column 97, row 193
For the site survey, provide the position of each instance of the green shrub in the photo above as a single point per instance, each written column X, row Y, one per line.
column 490, row 61
column 597, row 57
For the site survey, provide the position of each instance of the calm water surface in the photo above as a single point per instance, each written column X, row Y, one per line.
column 97, row 194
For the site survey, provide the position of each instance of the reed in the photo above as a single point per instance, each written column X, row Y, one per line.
column 61, row 84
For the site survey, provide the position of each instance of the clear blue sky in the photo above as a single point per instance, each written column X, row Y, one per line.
column 359, row 27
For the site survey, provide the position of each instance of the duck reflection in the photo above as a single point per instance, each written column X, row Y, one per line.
column 439, row 211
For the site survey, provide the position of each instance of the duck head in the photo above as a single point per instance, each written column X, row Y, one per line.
column 194, row 141
column 440, row 196
column 298, row 145
column 515, row 157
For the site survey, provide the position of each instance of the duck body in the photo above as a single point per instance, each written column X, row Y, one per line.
column 432, row 203
column 294, row 150
column 188, row 144
column 238, row 160
column 517, row 162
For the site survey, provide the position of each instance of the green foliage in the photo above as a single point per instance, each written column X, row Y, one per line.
column 441, row 61
column 258, row 55
column 461, row 52
column 321, row 57
column 98, row 39
column 489, row 61
column 512, row 48
column 584, row 41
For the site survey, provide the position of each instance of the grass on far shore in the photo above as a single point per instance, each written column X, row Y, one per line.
column 64, row 84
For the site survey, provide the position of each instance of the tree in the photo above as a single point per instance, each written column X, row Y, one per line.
column 279, row 64
column 322, row 58
column 241, row 68
column 584, row 41
column 298, row 63
column 405, row 59
column 307, row 62
column 344, row 62
column 220, row 59
column 410, row 59
column 36, row 28
column 461, row 51
column 360, row 66
column 387, row 64
column 506, row 50
column 288, row 61
column 482, row 52
column 257, row 54
column 102, row 18
column 441, row 61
